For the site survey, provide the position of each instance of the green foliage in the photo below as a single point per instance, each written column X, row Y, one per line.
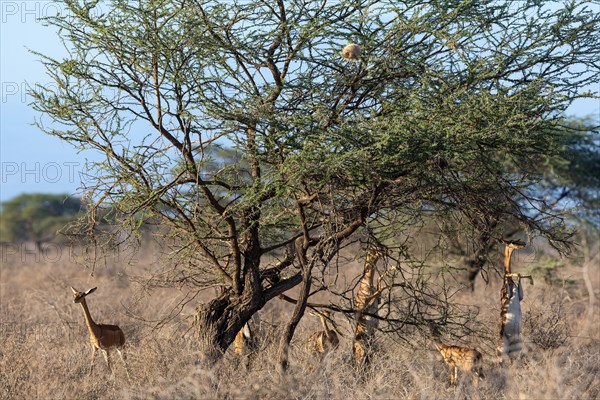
column 453, row 105
column 450, row 110
column 548, row 268
column 574, row 173
column 37, row 217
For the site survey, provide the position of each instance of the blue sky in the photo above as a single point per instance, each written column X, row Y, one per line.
column 32, row 161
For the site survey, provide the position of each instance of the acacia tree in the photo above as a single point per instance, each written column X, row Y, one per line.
column 575, row 174
column 569, row 178
column 448, row 109
column 37, row 217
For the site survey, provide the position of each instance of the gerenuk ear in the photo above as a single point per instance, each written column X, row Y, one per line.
column 92, row 290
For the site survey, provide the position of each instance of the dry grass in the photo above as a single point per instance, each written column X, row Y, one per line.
column 44, row 350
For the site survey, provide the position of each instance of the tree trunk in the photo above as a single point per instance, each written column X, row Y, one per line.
column 475, row 265
column 218, row 322
column 477, row 261
column 290, row 328
column 210, row 324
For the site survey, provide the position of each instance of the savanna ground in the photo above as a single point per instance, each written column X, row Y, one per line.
column 45, row 352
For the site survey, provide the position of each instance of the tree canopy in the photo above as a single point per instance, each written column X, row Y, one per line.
column 37, row 217
column 450, row 108
column 575, row 173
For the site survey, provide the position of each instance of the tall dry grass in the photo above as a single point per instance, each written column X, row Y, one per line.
column 45, row 353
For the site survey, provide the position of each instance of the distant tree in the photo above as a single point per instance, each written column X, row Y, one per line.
column 37, row 217
column 574, row 174
column 450, row 108
column 569, row 179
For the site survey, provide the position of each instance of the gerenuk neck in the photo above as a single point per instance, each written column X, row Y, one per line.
column 507, row 255
column 88, row 318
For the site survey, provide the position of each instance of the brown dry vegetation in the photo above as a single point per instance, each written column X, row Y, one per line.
column 44, row 350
